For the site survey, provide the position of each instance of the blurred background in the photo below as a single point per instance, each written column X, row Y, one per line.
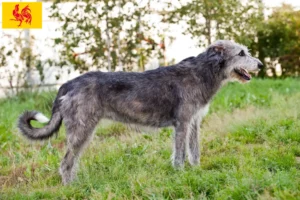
column 250, row 141
column 137, row 35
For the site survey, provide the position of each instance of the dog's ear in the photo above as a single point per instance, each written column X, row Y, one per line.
column 215, row 54
column 218, row 49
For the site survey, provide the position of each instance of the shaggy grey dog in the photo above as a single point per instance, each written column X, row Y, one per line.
column 176, row 95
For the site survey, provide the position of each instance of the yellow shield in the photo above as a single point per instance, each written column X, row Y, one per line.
column 22, row 15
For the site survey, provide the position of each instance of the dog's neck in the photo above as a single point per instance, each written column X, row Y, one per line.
column 211, row 77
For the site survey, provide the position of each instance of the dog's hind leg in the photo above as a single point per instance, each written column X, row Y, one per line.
column 193, row 142
column 78, row 137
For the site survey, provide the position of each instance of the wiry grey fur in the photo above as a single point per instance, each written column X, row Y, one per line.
column 176, row 96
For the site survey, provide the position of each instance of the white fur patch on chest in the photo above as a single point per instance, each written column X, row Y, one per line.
column 203, row 111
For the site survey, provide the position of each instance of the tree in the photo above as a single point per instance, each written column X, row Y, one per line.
column 104, row 34
column 209, row 20
column 279, row 40
column 28, row 61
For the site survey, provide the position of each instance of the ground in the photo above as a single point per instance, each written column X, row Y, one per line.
column 249, row 150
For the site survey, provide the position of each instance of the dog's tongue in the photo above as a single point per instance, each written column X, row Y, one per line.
column 245, row 73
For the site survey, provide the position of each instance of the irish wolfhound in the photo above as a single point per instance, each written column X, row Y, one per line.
column 176, row 96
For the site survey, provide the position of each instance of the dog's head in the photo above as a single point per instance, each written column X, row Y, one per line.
column 234, row 59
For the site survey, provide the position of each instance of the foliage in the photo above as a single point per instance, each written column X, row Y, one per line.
column 107, row 34
column 279, row 40
column 220, row 19
column 19, row 54
column 91, row 27
column 250, row 150
column 3, row 54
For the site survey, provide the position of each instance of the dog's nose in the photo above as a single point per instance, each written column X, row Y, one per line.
column 260, row 65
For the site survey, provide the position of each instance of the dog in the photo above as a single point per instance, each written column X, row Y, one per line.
column 175, row 96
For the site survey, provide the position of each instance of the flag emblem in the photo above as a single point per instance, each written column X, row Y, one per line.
column 22, row 15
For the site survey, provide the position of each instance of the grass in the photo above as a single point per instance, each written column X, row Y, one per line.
column 249, row 145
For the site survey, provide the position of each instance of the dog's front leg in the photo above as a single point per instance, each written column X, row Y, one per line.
column 180, row 145
column 193, row 136
column 193, row 142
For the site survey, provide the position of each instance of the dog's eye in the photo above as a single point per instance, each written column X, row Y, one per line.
column 242, row 53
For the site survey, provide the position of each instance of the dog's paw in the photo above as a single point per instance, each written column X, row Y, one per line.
column 194, row 162
column 178, row 164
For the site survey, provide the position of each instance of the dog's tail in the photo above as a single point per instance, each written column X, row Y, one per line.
column 40, row 133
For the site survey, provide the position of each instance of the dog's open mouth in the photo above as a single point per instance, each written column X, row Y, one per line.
column 242, row 73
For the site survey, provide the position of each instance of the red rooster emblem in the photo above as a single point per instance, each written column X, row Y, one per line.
column 24, row 15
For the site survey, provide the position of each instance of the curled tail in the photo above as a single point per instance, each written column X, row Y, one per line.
column 40, row 133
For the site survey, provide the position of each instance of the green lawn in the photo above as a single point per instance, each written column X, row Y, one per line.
column 250, row 146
